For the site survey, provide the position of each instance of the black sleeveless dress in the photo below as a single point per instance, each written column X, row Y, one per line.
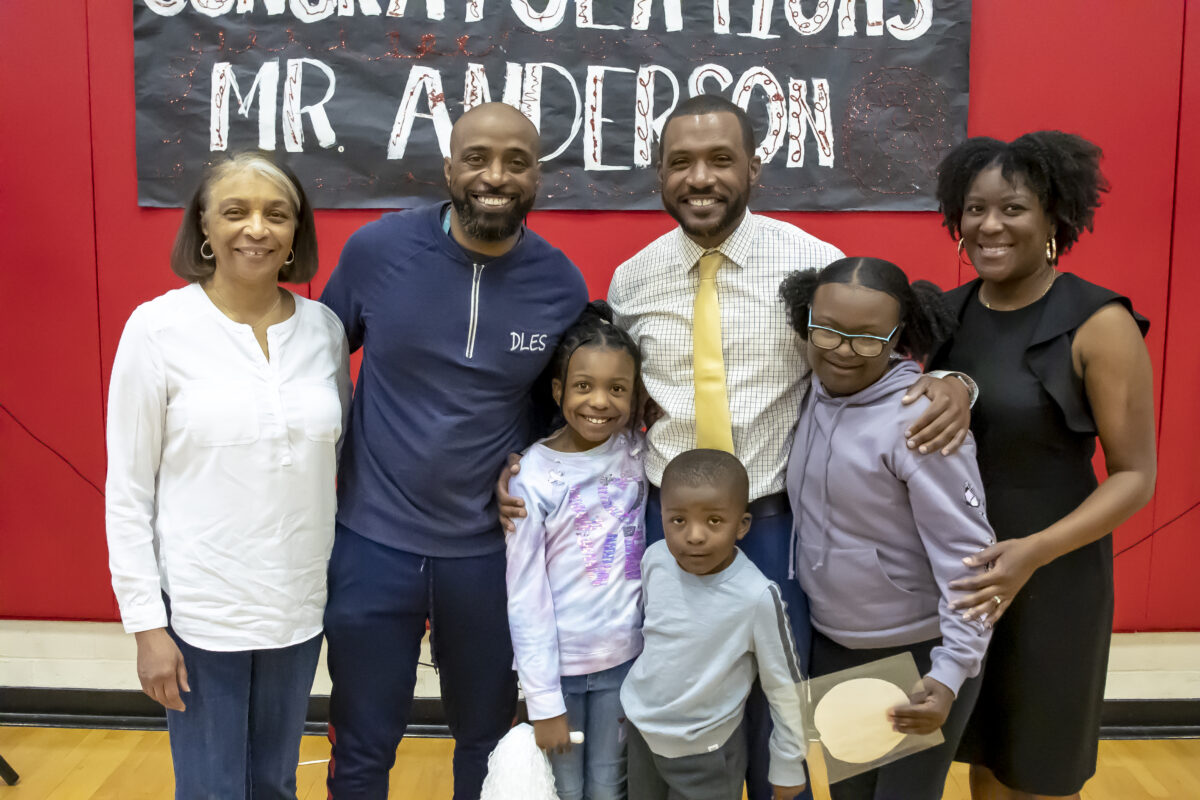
column 1036, row 724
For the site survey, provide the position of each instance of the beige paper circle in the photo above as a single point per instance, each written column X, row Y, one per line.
column 852, row 721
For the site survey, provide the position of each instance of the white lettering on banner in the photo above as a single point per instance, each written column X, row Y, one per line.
column 790, row 117
column 312, row 10
column 646, row 126
column 512, row 84
column 274, row 7
column 547, row 19
column 760, row 21
column 434, row 9
column 213, row 8
column 916, row 27
column 554, row 12
column 761, row 77
column 166, row 8
column 802, row 116
column 531, row 95
column 364, row 98
column 805, row 25
column 225, row 83
column 584, row 17
column 706, row 72
column 293, row 128
column 671, row 10
column 369, row 8
column 266, row 87
column 531, row 102
column 847, row 24
column 422, row 81
column 476, row 90
column 721, row 16
column 594, row 119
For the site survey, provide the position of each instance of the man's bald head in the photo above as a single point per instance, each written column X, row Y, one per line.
column 493, row 174
column 499, row 119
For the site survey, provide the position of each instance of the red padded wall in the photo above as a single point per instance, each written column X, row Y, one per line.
column 52, row 554
column 1173, row 599
column 79, row 255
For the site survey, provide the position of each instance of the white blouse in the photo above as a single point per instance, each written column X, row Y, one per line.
column 221, row 470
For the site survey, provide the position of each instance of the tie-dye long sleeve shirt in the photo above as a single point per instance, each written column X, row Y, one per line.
column 574, row 566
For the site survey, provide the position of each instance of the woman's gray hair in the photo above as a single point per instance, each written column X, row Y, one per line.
column 186, row 259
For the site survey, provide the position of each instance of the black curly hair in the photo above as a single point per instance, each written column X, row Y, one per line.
column 1062, row 169
column 925, row 319
column 595, row 328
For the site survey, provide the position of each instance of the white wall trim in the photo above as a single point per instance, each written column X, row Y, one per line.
column 99, row 655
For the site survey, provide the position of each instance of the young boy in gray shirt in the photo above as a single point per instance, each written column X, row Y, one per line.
column 713, row 624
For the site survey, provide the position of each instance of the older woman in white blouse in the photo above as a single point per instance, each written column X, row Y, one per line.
column 226, row 409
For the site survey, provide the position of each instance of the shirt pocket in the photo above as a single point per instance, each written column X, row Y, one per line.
column 221, row 413
column 851, row 591
column 320, row 409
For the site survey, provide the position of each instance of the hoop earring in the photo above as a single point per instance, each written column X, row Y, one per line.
column 210, row 255
column 291, row 257
column 962, row 243
column 1052, row 251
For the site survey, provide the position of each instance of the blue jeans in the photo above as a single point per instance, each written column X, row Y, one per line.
column 240, row 735
column 379, row 601
column 595, row 769
column 767, row 545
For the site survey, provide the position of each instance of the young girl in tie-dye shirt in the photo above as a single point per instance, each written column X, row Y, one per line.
column 574, row 574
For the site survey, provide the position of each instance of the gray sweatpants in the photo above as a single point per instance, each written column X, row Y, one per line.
column 718, row 775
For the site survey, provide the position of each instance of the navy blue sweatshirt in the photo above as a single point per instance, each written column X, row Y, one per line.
column 452, row 349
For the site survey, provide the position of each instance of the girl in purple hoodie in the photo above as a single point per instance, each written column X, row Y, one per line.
column 880, row 530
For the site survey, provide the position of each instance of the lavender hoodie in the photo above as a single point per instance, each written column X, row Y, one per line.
column 881, row 530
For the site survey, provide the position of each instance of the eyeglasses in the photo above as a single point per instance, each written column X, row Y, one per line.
column 863, row 344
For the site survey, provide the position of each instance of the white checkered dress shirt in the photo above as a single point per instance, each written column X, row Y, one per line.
column 652, row 295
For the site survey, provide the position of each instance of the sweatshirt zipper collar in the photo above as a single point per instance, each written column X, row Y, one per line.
column 473, row 324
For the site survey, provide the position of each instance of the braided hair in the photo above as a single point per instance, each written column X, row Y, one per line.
column 925, row 319
column 595, row 328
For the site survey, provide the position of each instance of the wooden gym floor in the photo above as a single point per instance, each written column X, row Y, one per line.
column 72, row 764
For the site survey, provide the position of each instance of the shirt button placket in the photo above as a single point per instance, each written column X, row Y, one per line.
column 283, row 441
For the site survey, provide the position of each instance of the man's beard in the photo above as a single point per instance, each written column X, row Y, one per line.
column 734, row 209
column 489, row 226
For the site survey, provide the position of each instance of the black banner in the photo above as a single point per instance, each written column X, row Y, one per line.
column 854, row 101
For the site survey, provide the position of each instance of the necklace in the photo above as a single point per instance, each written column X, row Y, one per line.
column 1053, row 277
column 224, row 306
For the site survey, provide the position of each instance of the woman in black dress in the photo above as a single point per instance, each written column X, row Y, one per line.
column 1059, row 361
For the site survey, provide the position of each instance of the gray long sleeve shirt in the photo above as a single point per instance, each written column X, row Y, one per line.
column 706, row 639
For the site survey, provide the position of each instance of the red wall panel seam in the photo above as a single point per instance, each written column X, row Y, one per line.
column 44, row 444
column 1174, row 209
column 1154, row 526
column 87, row 47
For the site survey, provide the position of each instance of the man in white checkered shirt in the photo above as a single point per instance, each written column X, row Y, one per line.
column 706, row 169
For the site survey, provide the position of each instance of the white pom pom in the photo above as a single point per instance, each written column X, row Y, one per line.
column 576, row 737
column 518, row 769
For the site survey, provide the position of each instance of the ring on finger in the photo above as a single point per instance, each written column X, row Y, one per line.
column 997, row 599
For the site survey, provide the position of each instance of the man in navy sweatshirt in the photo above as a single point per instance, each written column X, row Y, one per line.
column 458, row 308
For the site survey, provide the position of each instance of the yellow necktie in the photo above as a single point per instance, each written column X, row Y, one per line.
column 713, row 427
